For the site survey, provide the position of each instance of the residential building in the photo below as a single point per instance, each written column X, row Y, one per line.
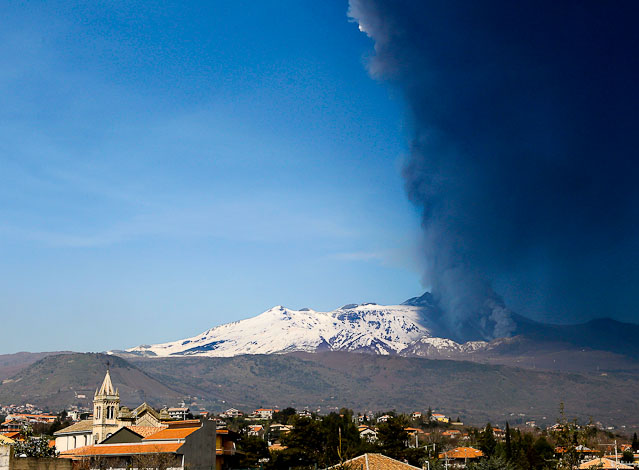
column 460, row 457
column 231, row 413
column 367, row 433
column 178, row 413
column 584, row 453
column 256, row 430
column 264, row 413
column 12, row 426
column 439, row 417
column 31, row 418
column 275, row 430
column 499, row 433
column 224, row 448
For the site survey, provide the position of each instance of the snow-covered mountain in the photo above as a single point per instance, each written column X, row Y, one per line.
column 379, row 329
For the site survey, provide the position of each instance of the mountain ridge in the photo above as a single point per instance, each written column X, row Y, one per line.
column 330, row 380
column 412, row 328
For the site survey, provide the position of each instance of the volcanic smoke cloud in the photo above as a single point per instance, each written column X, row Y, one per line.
column 524, row 153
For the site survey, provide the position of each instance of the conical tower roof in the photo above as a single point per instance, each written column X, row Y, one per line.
column 107, row 386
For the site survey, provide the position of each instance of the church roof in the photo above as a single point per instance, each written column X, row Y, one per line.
column 107, row 386
column 146, row 408
column 146, row 431
column 79, row 427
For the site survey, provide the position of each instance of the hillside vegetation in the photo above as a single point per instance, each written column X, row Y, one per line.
column 476, row 392
column 61, row 380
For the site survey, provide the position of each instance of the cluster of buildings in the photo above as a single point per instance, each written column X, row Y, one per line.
column 117, row 437
column 14, row 422
column 259, row 414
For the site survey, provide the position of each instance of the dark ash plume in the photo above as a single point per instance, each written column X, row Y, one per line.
column 524, row 157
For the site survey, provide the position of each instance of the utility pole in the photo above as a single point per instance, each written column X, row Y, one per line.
column 616, row 454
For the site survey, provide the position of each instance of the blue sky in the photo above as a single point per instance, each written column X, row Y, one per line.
column 168, row 167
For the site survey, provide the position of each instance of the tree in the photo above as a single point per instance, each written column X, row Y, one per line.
column 541, row 453
column 34, row 447
column 627, row 456
column 239, row 425
column 56, row 426
column 285, row 416
column 305, row 446
column 342, row 440
column 567, row 438
column 492, row 463
column 252, row 449
column 487, row 442
column 392, row 437
column 97, row 462
column 155, row 461
column 509, row 447
column 635, row 443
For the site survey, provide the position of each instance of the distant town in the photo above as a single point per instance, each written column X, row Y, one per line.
column 115, row 437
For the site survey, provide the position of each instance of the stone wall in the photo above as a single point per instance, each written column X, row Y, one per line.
column 9, row 462
column 5, row 456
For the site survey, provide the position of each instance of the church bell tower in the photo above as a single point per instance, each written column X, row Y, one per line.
column 106, row 406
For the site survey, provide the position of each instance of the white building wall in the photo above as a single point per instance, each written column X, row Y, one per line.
column 72, row 441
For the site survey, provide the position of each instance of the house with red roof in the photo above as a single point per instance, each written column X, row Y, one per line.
column 460, row 457
column 264, row 413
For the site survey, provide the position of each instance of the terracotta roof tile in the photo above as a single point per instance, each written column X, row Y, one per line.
column 146, row 431
column 186, row 423
column 169, row 433
column 377, row 462
column 603, row 463
column 123, row 449
column 462, row 453
column 276, row 447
